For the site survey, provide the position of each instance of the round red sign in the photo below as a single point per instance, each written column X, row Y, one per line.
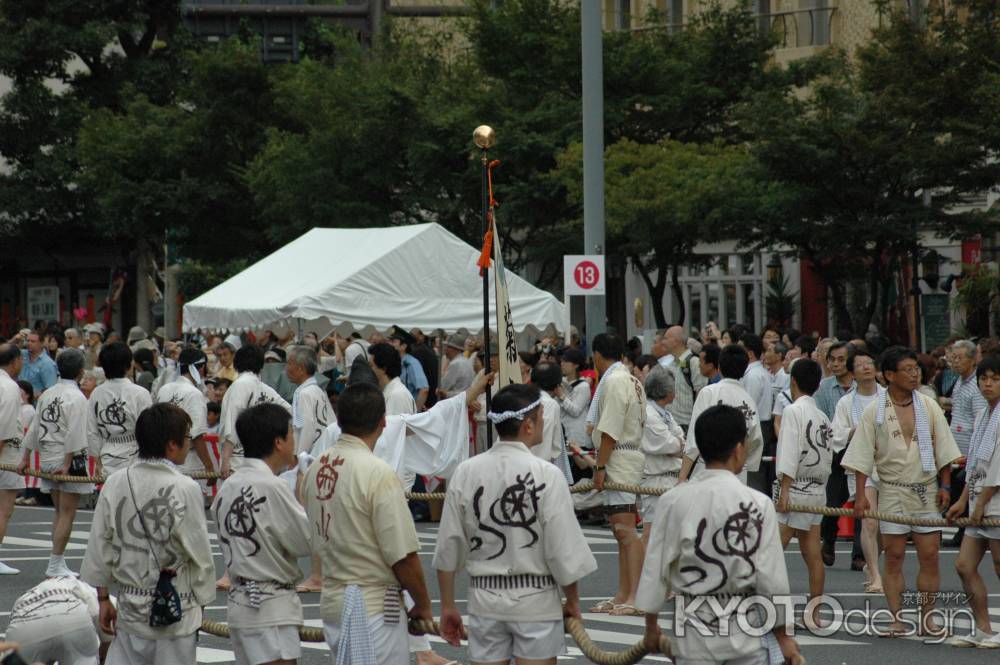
column 586, row 274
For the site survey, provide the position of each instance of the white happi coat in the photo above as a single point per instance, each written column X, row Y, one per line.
column 114, row 407
column 11, row 427
column 552, row 435
column 981, row 474
column 621, row 414
column 508, row 519
column 247, row 390
column 716, row 537
column 904, row 487
column 311, row 413
column 120, row 556
column 731, row 393
column 60, row 424
column 263, row 531
column 805, row 452
column 56, row 604
column 431, row 443
column 184, row 394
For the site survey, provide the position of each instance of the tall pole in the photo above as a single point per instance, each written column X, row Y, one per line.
column 593, row 151
column 484, row 138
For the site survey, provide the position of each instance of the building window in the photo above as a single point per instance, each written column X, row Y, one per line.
column 623, row 14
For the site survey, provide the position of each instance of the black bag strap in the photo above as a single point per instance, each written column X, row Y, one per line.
column 142, row 521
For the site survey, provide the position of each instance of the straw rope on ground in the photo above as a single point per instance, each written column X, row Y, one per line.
column 587, row 486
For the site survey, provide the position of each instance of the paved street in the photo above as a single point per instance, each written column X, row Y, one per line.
column 27, row 546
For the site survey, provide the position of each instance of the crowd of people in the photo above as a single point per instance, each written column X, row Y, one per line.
column 317, row 441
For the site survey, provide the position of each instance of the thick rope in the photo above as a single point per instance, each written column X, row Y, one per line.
column 587, row 486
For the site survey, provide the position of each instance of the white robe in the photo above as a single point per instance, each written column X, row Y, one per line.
column 575, row 404
column 663, row 448
column 509, row 514
column 60, row 424
column 11, row 427
column 263, row 531
column 120, row 556
column 730, row 392
column 431, row 443
column 805, row 452
column 313, row 408
column 247, row 390
column 184, row 394
column 712, row 537
column 114, row 407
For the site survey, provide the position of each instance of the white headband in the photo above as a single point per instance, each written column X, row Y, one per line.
column 517, row 415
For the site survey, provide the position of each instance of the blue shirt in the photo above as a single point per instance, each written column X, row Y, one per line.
column 41, row 373
column 716, row 378
column 413, row 376
column 829, row 393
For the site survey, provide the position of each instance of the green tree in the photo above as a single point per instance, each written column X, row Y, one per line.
column 856, row 151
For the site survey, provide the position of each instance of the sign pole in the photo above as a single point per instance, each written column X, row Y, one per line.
column 484, row 138
column 593, row 152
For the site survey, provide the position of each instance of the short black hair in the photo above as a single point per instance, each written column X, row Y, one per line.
column 989, row 363
column 609, row 345
column 646, row 360
column 719, row 429
column 361, row 407
column 891, row 357
column 249, row 358
column 807, row 374
column 157, row 426
column 859, row 353
column 258, row 427
column 188, row 357
column 711, row 354
column 546, row 375
column 215, row 407
column 115, row 359
column 806, row 343
column 144, row 358
column 8, row 354
column 28, row 389
column 70, row 364
column 386, row 358
column 222, row 381
column 514, row 398
column 733, row 361
column 737, row 331
column 753, row 343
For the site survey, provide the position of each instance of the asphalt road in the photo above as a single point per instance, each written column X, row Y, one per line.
column 28, row 541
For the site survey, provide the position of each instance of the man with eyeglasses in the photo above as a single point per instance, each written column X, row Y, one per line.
column 905, row 438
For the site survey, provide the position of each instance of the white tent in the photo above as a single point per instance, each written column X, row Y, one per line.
column 414, row 276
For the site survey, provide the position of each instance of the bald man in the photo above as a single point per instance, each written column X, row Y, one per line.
column 685, row 368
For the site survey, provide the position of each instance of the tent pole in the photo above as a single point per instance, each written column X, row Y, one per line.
column 486, row 296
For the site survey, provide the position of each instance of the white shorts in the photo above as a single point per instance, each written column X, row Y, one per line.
column 983, row 532
column 492, row 640
column 11, row 481
column 388, row 640
column 758, row 657
column 893, row 529
column 49, row 486
column 253, row 646
column 799, row 521
column 128, row 649
column 77, row 647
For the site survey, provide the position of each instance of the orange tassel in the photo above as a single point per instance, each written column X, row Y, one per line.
column 484, row 256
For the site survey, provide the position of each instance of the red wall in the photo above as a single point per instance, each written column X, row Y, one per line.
column 812, row 291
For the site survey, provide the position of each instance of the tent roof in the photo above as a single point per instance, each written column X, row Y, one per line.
column 413, row 276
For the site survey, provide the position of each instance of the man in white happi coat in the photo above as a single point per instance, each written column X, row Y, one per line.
column 733, row 362
column 662, row 444
column 846, row 417
column 263, row 531
column 11, row 435
column 714, row 541
column 548, row 377
column 803, row 458
column 59, row 434
column 982, row 497
column 247, row 390
column 114, row 407
column 149, row 531
column 56, row 621
column 362, row 528
column 185, row 392
column 617, row 415
column 508, row 520
column 906, row 438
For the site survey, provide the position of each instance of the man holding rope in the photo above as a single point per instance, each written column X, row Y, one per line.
column 508, row 518
column 716, row 540
column 11, row 434
column 906, row 438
